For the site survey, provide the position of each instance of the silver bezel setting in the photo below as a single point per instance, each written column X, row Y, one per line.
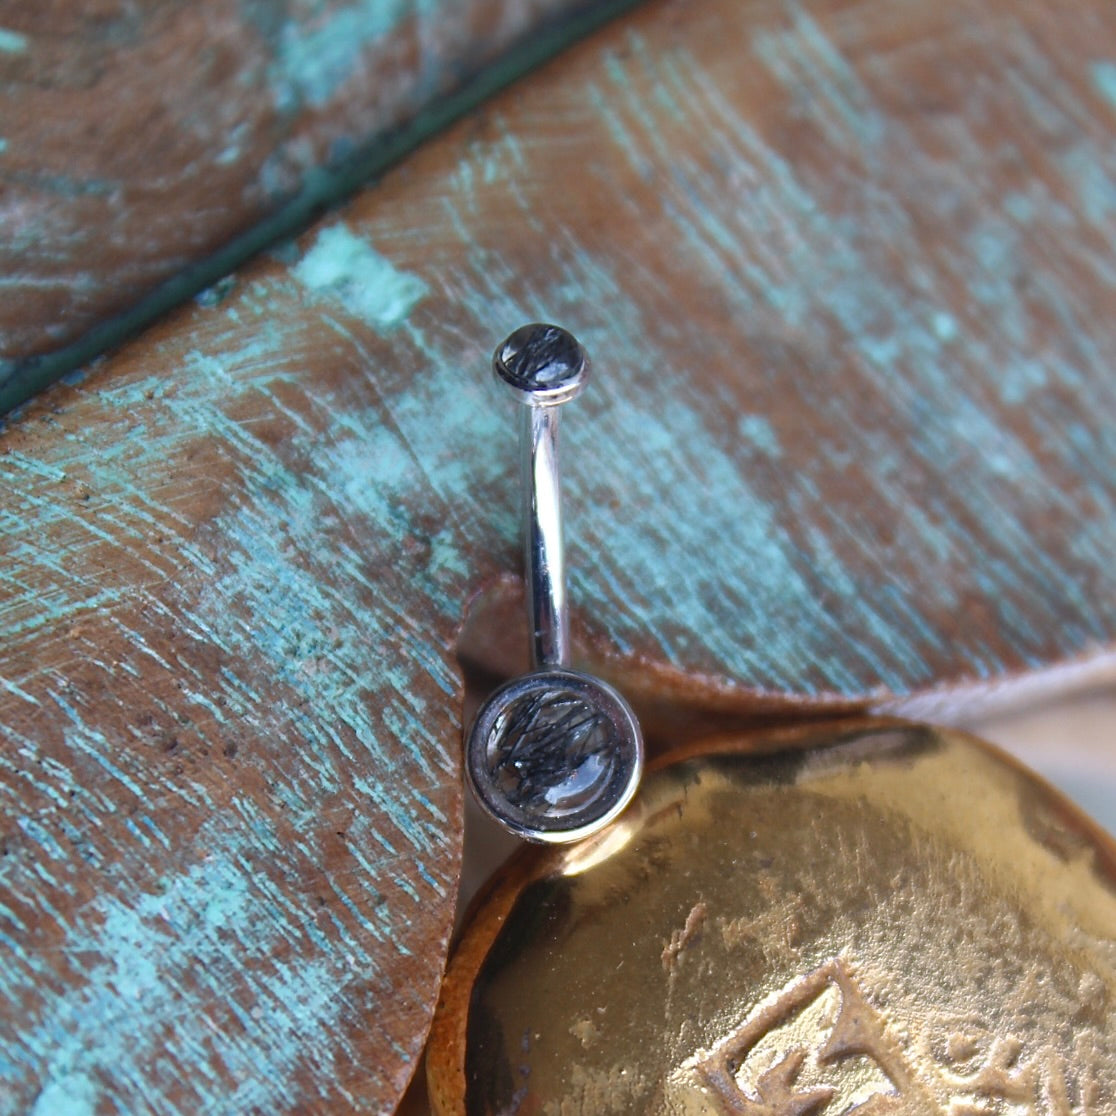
column 625, row 758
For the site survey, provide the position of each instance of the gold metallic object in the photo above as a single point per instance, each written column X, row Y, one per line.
column 897, row 919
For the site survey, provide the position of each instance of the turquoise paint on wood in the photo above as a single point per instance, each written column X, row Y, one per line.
column 1104, row 77
column 264, row 598
column 278, row 112
column 12, row 42
column 318, row 54
column 364, row 282
column 73, row 1095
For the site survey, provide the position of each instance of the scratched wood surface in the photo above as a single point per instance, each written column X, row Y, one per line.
column 845, row 269
column 138, row 140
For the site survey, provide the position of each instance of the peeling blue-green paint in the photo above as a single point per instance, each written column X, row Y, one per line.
column 945, row 326
column 208, row 925
column 1093, row 184
column 462, row 63
column 816, row 73
column 1020, row 207
column 233, row 146
column 74, row 1094
column 757, row 432
column 1104, row 78
column 341, row 266
column 317, row 56
column 12, row 42
column 3, row 148
column 913, row 349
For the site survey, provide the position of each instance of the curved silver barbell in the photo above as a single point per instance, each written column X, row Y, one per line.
column 556, row 754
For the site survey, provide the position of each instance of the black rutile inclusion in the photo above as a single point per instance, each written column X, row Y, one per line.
column 552, row 753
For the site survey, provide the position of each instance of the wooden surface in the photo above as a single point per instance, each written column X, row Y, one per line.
column 844, row 270
column 158, row 144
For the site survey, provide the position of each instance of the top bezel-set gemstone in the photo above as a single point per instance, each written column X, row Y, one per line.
column 541, row 364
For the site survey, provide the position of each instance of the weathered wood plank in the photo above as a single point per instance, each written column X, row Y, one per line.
column 146, row 150
column 231, row 806
column 844, row 271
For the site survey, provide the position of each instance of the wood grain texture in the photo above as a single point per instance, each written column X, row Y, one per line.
column 230, row 795
column 845, row 273
column 159, row 144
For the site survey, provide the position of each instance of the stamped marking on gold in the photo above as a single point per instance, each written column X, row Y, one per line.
column 818, row 1048
column 816, row 1045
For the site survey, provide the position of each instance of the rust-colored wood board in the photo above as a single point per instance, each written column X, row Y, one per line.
column 844, row 271
column 155, row 144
